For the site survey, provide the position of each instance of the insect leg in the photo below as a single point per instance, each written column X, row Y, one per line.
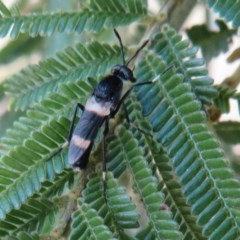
column 132, row 124
column 64, row 145
column 105, row 132
column 104, row 164
column 121, row 101
column 79, row 105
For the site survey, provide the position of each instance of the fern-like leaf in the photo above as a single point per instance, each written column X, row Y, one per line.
column 176, row 201
column 158, row 160
column 153, row 154
column 174, row 198
column 18, row 48
column 87, row 224
column 23, row 236
column 30, row 126
column 34, row 83
column 118, row 209
column 33, row 212
column 180, row 126
column 43, row 136
column 229, row 10
column 170, row 46
column 146, row 185
column 4, row 11
column 100, row 14
column 24, row 179
column 29, row 217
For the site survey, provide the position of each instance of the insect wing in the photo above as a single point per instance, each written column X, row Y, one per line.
column 78, row 157
column 83, row 136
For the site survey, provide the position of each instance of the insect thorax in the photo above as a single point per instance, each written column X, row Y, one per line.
column 109, row 89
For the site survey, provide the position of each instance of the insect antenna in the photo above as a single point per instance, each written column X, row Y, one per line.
column 137, row 52
column 121, row 45
column 165, row 71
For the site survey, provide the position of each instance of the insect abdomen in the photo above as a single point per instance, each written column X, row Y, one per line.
column 82, row 139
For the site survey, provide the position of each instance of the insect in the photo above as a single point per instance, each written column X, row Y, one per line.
column 102, row 105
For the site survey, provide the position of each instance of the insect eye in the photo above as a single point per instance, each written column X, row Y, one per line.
column 122, row 75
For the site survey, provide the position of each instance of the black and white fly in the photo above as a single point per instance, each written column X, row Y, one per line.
column 101, row 106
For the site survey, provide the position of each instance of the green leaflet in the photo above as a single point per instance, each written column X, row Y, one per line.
column 228, row 132
column 33, row 212
column 118, row 211
column 163, row 227
column 99, row 15
column 23, row 236
column 4, row 10
column 170, row 46
column 28, row 218
column 44, row 115
column 21, row 184
column 35, row 82
column 153, row 154
column 223, row 100
column 43, row 135
column 175, row 199
column 227, row 9
column 87, row 224
column 180, row 126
